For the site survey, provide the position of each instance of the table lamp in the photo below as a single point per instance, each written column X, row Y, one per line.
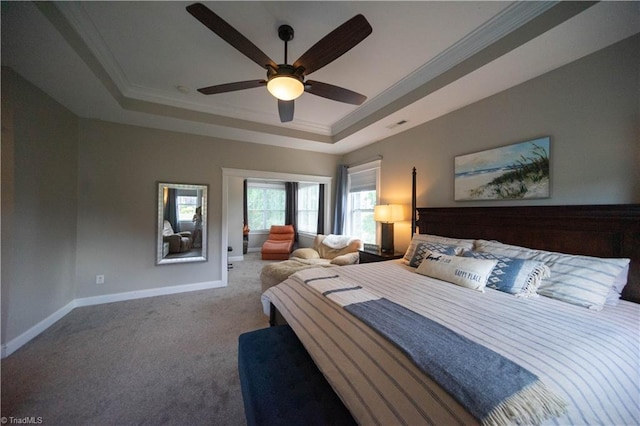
column 387, row 214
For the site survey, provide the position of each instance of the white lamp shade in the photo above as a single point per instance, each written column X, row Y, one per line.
column 389, row 213
column 285, row 88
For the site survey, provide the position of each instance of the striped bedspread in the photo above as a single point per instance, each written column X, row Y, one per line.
column 590, row 359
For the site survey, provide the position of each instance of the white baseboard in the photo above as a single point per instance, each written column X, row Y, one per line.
column 140, row 294
column 14, row 344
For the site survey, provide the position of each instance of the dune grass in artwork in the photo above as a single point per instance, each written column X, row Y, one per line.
column 513, row 172
column 525, row 173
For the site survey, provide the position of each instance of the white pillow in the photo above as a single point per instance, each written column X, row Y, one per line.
column 463, row 271
column 618, row 286
column 420, row 238
column 580, row 280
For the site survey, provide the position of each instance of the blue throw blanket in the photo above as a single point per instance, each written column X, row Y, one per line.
column 491, row 387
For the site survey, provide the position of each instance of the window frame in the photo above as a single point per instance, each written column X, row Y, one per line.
column 374, row 166
column 314, row 225
column 264, row 186
column 187, row 217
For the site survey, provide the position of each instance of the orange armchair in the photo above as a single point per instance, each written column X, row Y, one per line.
column 279, row 243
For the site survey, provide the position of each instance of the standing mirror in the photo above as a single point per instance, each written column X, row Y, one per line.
column 182, row 223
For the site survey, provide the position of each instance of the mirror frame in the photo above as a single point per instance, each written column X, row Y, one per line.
column 160, row 260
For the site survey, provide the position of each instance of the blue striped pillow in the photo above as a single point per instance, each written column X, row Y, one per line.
column 580, row 280
column 427, row 238
column 430, row 246
column 514, row 276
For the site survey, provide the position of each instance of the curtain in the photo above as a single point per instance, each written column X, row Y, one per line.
column 171, row 209
column 245, row 219
column 320, row 229
column 341, row 200
column 245, row 209
column 291, row 206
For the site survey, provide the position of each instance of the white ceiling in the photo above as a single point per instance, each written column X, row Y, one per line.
column 141, row 62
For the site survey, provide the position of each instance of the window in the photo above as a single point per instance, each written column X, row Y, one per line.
column 186, row 207
column 265, row 205
column 308, row 194
column 362, row 184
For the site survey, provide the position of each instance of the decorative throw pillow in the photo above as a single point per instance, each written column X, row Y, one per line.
column 346, row 259
column 580, row 280
column 305, row 253
column 514, row 276
column 420, row 238
column 423, row 248
column 462, row 271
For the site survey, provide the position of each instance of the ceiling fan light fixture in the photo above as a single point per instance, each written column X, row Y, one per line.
column 285, row 88
column 286, row 82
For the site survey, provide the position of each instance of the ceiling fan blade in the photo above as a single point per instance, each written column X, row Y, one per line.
column 334, row 93
column 232, row 87
column 230, row 34
column 334, row 44
column 285, row 108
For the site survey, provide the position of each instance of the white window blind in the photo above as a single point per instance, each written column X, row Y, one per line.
column 363, row 180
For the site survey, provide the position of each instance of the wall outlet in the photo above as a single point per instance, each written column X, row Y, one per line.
column 99, row 279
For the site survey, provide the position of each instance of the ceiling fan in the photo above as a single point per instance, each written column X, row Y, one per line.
column 287, row 82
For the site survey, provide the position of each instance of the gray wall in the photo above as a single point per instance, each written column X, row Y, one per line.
column 590, row 108
column 39, row 205
column 79, row 199
column 119, row 166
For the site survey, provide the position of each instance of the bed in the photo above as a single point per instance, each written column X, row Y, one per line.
column 587, row 358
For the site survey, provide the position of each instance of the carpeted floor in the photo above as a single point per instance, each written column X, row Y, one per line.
column 164, row 360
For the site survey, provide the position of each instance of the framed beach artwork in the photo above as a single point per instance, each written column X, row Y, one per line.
column 513, row 172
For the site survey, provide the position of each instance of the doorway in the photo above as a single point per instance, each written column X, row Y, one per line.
column 232, row 205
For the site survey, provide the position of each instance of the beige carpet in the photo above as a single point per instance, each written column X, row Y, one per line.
column 163, row 360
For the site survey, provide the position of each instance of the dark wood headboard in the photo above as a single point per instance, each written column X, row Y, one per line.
column 597, row 230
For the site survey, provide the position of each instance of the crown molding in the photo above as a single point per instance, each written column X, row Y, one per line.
column 80, row 21
column 510, row 19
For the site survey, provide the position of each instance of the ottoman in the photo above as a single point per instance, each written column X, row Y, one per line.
column 281, row 384
column 274, row 273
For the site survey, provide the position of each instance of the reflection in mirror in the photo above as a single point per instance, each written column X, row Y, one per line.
column 182, row 223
